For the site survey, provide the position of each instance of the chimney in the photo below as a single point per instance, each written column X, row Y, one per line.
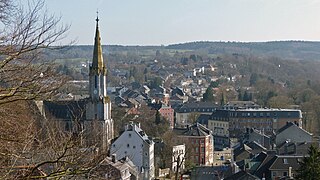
column 113, row 157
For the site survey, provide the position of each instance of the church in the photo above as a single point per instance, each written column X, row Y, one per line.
column 90, row 117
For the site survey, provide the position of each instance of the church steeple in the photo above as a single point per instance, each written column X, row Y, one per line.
column 98, row 109
column 97, row 62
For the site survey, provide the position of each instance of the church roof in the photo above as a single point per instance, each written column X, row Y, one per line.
column 97, row 61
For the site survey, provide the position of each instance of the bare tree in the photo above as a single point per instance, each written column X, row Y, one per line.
column 31, row 146
column 25, row 33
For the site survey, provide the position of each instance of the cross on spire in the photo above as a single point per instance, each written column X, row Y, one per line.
column 97, row 16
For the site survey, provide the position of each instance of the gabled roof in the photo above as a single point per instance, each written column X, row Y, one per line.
column 195, row 130
column 66, row 110
column 291, row 124
column 203, row 119
column 255, row 145
column 242, row 148
column 292, row 148
column 242, row 175
column 284, row 162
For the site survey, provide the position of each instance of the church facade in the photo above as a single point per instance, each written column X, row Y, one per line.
column 98, row 108
column 90, row 117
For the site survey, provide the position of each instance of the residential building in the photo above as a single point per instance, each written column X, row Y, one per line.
column 278, row 167
column 218, row 123
column 291, row 132
column 268, row 120
column 255, row 135
column 240, row 105
column 199, row 142
column 138, row 147
column 270, row 166
column 178, row 157
column 242, row 175
column 165, row 111
column 113, row 169
column 222, row 157
column 210, row 172
column 184, row 113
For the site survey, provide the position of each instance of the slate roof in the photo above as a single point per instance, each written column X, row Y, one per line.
column 240, row 105
column 205, row 107
column 210, row 172
column 256, row 146
column 203, row 119
column 284, row 162
column 195, row 130
column 220, row 115
column 288, row 125
column 242, row 175
column 267, row 113
column 277, row 162
column 242, row 148
column 292, row 148
column 66, row 110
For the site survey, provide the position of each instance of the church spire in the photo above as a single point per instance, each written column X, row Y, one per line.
column 97, row 62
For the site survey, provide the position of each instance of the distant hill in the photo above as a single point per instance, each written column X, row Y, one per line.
column 299, row 50
column 303, row 50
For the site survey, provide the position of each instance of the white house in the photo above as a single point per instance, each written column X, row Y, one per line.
column 138, row 147
column 178, row 157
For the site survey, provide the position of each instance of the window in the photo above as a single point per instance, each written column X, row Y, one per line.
column 274, row 174
column 285, row 173
column 285, row 161
column 95, row 82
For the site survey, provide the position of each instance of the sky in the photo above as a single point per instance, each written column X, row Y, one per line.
column 163, row 22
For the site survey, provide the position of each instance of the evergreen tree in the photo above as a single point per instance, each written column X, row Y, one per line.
column 208, row 95
column 310, row 166
column 214, row 84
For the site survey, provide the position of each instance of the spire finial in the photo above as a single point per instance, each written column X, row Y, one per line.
column 97, row 15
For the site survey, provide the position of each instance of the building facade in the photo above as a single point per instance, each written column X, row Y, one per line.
column 168, row 113
column 138, row 147
column 199, row 143
column 218, row 123
column 178, row 157
column 184, row 114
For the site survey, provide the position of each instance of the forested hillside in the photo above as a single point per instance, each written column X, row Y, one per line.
column 298, row 50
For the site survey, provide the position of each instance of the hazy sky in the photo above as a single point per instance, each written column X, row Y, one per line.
column 155, row 22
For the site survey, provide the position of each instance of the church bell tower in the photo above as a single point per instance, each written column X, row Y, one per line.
column 98, row 111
